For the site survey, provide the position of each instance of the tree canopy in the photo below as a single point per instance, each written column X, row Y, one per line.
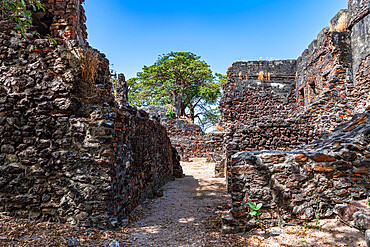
column 179, row 79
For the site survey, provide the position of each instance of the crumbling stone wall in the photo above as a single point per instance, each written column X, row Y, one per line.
column 331, row 84
column 359, row 25
column 245, row 96
column 68, row 152
column 189, row 139
column 332, row 87
column 325, row 175
column 325, row 80
column 260, row 113
column 359, row 21
column 64, row 19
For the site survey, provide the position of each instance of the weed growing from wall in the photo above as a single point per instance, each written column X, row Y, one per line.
column 342, row 23
column 261, row 76
column 89, row 63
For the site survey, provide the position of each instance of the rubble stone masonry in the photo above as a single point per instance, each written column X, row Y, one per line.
column 68, row 151
column 323, row 176
column 314, row 114
column 189, row 139
column 261, row 114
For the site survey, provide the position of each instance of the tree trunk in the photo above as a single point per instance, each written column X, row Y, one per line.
column 178, row 105
column 192, row 113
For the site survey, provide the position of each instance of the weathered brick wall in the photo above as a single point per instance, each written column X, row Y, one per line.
column 244, row 96
column 332, row 86
column 68, row 152
column 143, row 160
column 323, row 176
column 359, row 21
column 325, row 80
column 332, row 72
column 189, row 139
column 359, row 25
column 261, row 114
column 64, row 19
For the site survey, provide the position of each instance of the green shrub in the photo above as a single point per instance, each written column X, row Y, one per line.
column 170, row 113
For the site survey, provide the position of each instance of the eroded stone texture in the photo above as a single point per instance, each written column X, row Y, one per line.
column 359, row 24
column 245, row 96
column 189, row 139
column 259, row 114
column 360, row 41
column 121, row 91
column 68, row 152
column 325, row 79
column 262, row 114
column 325, row 175
column 331, row 101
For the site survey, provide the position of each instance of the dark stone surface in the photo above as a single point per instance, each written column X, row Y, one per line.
column 326, row 105
column 121, row 91
column 360, row 40
column 68, row 151
column 189, row 139
column 291, row 190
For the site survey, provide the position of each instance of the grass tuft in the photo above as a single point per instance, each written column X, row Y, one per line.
column 261, row 76
column 342, row 23
column 89, row 63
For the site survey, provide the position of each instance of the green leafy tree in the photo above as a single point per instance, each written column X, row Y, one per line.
column 179, row 79
column 208, row 115
column 19, row 12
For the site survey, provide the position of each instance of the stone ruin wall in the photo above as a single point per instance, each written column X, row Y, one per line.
column 257, row 114
column 359, row 25
column 69, row 153
column 64, row 19
column 332, row 88
column 261, row 114
column 191, row 142
column 325, row 81
column 324, row 176
column 189, row 139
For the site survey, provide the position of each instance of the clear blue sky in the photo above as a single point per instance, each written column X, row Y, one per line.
column 133, row 33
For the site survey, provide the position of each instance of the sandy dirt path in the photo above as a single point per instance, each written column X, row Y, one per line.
column 186, row 213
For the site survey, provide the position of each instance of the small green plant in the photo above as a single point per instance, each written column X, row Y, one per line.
column 306, row 224
column 170, row 113
column 317, row 214
column 48, row 36
column 256, row 211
